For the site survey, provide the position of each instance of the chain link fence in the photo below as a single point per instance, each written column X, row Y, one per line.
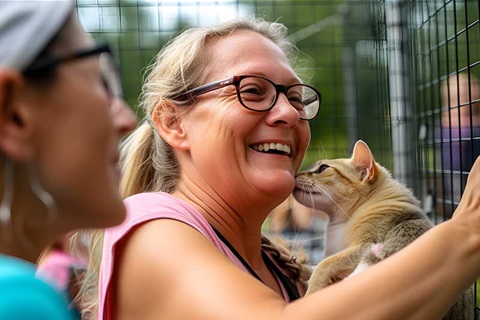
column 402, row 75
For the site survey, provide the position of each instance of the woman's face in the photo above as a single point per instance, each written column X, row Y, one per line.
column 223, row 135
column 78, row 127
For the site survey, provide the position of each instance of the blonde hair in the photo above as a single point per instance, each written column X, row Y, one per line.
column 148, row 162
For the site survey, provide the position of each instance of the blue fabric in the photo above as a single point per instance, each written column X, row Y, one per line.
column 24, row 297
column 464, row 141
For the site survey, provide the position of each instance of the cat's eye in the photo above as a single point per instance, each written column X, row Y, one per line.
column 322, row 168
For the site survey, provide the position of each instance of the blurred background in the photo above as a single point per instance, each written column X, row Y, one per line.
column 402, row 75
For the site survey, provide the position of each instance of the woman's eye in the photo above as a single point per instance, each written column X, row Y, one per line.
column 322, row 168
column 296, row 101
column 105, row 84
column 254, row 94
column 251, row 90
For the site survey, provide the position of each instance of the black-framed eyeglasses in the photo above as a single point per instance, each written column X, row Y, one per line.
column 257, row 93
column 110, row 70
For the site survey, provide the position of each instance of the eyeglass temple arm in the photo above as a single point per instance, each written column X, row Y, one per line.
column 210, row 87
column 311, row 100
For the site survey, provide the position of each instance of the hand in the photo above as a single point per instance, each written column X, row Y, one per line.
column 468, row 210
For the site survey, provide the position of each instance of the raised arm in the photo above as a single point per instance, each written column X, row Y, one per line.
column 179, row 274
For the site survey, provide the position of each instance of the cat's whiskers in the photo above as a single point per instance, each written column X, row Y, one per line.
column 296, row 244
column 331, row 198
column 292, row 243
column 322, row 152
column 302, row 241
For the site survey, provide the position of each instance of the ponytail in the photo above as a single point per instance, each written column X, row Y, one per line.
column 87, row 297
column 148, row 163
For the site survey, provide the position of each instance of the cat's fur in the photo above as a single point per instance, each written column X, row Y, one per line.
column 371, row 216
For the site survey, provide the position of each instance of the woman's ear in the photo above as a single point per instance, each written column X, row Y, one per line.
column 15, row 127
column 168, row 122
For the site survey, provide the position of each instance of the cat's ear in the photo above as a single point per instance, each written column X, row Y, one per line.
column 363, row 159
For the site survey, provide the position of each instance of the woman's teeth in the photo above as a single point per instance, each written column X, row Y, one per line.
column 272, row 147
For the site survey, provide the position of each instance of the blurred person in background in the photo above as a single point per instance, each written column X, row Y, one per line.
column 61, row 118
column 291, row 217
column 298, row 228
column 62, row 268
column 460, row 133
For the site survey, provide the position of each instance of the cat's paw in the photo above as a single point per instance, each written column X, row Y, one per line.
column 377, row 249
column 372, row 255
column 317, row 284
column 322, row 278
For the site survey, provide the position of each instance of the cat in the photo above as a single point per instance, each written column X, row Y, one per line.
column 370, row 217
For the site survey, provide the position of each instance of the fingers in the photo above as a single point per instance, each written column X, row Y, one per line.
column 473, row 181
column 474, row 173
column 471, row 195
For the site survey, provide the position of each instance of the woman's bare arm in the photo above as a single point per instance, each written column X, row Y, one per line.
column 169, row 270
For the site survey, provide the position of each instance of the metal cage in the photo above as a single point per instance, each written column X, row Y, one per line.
column 403, row 75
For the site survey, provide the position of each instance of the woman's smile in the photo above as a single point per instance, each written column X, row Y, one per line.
column 272, row 148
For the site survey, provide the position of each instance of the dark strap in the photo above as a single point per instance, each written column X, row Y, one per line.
column 289, row 286
column 245, row 263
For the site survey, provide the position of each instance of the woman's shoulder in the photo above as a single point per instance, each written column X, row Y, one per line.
column 15, row 267
column 148, row 202
column 144, row 208
column 23, row 296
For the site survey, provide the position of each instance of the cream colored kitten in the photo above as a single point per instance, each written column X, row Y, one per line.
column 371, row 216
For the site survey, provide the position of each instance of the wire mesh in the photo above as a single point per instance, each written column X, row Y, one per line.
column 445, row 60
column 403, row 75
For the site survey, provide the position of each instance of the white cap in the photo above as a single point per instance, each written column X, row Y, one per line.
column 27, row 27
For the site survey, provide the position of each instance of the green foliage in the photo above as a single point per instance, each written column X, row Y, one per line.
column 343, row 48
column 326, row 34
column 340, row 40
column 478, row 293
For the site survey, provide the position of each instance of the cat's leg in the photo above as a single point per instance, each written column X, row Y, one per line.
column 396, row 239
column 373, row 255
column 335, row 268
column 403, row 234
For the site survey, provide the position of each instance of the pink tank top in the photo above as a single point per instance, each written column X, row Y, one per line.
column 142, row 208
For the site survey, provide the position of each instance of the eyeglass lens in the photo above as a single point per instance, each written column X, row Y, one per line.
column 260, row 95
column 111, row 75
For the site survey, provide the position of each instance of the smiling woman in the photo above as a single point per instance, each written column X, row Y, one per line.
column 215, row 154
column 61, row 118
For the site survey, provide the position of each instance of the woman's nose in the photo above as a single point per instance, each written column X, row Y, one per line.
column 124, row 119
column 283, row 113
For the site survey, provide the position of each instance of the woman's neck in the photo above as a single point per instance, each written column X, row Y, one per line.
column 22, row 248
column 240, row 225
column 26, row 235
